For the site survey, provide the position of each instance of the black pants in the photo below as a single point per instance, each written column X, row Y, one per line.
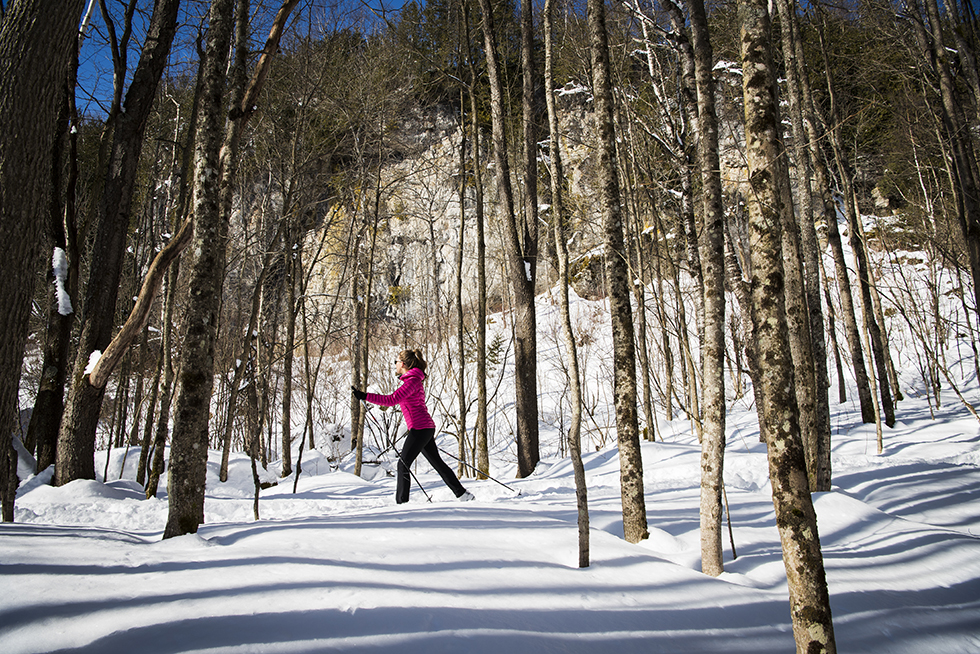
column 422, row 441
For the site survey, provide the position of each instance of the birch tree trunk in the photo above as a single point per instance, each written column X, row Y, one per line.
column 618, row 280
column 778, row 414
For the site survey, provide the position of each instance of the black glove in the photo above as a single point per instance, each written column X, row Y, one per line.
column 358, row 394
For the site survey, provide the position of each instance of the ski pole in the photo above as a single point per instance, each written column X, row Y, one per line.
column 510, row 488
column 407, row 467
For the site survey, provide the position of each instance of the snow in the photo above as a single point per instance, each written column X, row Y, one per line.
column 338, row 566
column 93, row 360
column 59, row 266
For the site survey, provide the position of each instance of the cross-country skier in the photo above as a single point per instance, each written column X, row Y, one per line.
column 420, row 438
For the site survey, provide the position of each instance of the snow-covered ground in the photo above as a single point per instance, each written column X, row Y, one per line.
column 337, row 566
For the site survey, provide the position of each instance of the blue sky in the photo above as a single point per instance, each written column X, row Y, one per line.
column 95, row 74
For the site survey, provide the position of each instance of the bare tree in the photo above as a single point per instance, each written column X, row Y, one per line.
column 188, row 451
column 778, row 413
column 76, row 439
column 558, row 219
column 713, row 266
column 817, row 443
column 618, row 281
column 521, row 260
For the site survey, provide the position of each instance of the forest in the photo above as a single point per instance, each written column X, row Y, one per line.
column 218, row 217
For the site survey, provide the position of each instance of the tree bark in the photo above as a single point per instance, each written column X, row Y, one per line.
column 521, row 263
column 35, row 46
column 713, row 266
column 287, row 356
column 965, row 172
column 482, row 440
column 851, row 329
column 76, row 439
column 817, row 443
column 778, row 413
column 460, row 328
column 618, row 281
column 42, row 432
column 561, row 247
column 189, row 447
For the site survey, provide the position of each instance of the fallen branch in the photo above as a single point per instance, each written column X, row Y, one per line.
column 140, row 314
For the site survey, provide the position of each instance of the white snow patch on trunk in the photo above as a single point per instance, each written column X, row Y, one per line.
column 93, row 359
column 59, row 264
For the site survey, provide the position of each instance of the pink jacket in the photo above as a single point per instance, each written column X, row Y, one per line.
column 410, row 397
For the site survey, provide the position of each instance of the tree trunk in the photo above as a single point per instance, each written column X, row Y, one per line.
column 151, row 407
column 189, row 448
column 520, row 265
column 35, row 47
column 876, row 336
column 460, row 328
column 568, row 336
column 287, row 357
column 618, row 280
column 358, row 409
column 713, row 266
column 526, row 349
column 964, row 168
column 851, row 329
column 817, row 445
column 166, row 392
column 778, row 414
column 42, row 432
column 76, row 440
column 482, row 441
column 242, row 362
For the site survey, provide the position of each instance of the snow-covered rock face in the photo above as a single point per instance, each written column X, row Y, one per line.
column 422, row 208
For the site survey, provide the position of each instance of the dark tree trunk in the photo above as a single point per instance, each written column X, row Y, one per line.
column 189, row 448
column 35, row 48
column 851, row 328
column 482, row 440
column 520, row 265
column 42, row 432
column 817, row 445
column 965, row 172
column 76, row 440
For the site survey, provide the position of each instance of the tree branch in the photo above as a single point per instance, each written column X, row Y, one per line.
column 140, row 314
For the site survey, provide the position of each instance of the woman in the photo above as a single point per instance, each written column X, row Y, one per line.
column 410, row 397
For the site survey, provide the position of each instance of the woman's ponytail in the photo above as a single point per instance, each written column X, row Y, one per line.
column 413, row 359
